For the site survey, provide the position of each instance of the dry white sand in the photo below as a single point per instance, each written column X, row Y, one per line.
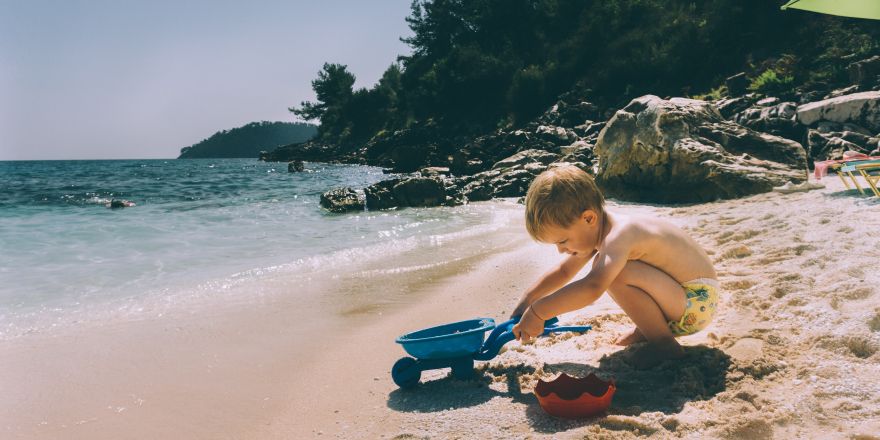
column 791, row 354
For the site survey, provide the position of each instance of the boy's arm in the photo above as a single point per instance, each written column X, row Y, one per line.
column 581, row 293
column 552, row 281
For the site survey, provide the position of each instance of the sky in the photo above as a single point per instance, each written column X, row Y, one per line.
column 119, row 79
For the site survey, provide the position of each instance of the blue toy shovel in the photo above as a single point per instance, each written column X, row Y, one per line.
column 458, row 345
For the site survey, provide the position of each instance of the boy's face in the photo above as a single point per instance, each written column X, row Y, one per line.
column 581, row 237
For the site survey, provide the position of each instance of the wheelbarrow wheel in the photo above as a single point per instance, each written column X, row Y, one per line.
column 406, row 373
column 463, row 369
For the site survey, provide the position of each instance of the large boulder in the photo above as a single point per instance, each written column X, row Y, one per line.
column 857, row 108
column 420, row 191
column 682, row 150
column 410, row 192
column 380, row 196
column 341, row 200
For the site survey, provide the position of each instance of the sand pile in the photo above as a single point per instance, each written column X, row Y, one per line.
column 791, row 354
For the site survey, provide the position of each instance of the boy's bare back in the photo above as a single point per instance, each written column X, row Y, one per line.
column 658, row 243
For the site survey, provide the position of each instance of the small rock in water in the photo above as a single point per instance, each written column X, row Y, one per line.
column 295, row 166
column 119, row 203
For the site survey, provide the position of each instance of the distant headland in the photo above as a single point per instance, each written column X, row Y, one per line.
column 248, row 140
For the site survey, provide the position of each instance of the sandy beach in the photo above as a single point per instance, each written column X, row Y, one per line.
column 792, row 353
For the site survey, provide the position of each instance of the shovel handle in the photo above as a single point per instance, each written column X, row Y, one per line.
column 503, row 333
column 567, row 328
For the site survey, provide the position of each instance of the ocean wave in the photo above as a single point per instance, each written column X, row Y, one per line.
column 95, row 200
column 351, row 257
column 405, row 269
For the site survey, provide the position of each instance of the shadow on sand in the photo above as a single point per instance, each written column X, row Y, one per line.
column 866, row 197
column 700, row 375
column 450, row 393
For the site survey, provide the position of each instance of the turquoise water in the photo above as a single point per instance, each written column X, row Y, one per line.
column 198, row 225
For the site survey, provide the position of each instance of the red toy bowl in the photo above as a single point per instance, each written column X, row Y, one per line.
column 573, row 398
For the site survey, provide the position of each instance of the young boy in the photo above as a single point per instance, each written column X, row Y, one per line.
column 655, row 272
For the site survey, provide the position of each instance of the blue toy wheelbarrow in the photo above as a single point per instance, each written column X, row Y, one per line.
column 458, row 345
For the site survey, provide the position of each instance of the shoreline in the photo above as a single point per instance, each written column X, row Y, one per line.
column 766, row 368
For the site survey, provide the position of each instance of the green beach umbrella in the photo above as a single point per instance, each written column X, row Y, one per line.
column 844, row 8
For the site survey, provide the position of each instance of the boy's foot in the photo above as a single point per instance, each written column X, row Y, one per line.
column 654, row 353
column 632, row 338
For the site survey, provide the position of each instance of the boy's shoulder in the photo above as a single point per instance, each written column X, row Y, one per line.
column 632, row 229
column 629, row 229
column 633, row 223
column 623, row 228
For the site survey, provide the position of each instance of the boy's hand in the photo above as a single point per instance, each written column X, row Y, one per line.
column 521, row 307
column 529, row 327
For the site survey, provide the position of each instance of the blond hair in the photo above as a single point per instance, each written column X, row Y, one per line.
column 558, row 196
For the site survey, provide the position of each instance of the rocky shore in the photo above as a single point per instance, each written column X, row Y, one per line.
column 660, row 150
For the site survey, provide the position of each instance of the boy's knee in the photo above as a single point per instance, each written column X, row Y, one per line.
column 617, row 287
column 624, row 277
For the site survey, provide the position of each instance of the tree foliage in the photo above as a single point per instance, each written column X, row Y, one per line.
column 476, row 64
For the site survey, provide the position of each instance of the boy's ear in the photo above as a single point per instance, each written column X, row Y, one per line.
column 589, row 216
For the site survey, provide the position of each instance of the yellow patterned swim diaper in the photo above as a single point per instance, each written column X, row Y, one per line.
column 702, row 298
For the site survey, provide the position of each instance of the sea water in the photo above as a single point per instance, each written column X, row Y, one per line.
column 199, row 227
